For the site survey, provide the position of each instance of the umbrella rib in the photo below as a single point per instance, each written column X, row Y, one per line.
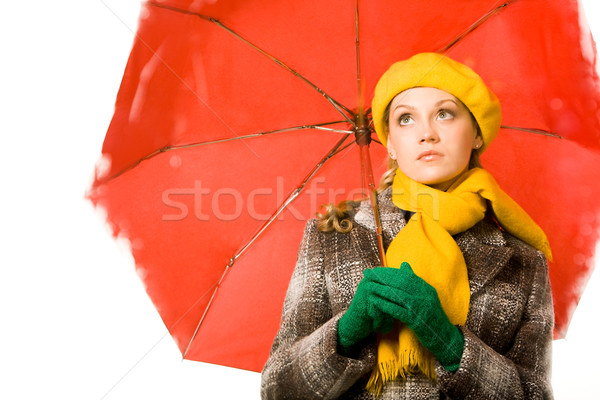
column 335, row 150
column 343, row 110
column 343, row 148
column 320, row 126
column 533, row 130
column 475, row 25
column 216, row 288
column 295, row 193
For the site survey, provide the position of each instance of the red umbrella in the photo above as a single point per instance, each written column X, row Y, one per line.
column 236, row 119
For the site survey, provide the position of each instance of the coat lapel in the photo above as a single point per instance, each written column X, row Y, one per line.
column 485, row 252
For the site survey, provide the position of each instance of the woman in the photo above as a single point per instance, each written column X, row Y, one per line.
column 464, row 308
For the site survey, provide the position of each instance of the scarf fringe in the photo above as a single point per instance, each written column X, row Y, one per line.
column 409, row 362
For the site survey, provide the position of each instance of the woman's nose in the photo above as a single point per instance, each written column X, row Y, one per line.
column 428, row 134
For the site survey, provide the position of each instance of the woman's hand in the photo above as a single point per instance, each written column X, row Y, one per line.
column 408, row 298
column 363, row 317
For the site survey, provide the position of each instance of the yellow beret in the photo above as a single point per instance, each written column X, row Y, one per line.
column 440, row 72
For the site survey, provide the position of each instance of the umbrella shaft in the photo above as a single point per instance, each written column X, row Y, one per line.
column 369, row 186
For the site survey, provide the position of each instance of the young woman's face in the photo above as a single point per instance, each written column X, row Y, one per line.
column 431, row 135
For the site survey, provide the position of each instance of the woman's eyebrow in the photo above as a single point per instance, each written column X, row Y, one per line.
column 439, row 103
column 403, row 106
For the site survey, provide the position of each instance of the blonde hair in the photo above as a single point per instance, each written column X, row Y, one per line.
column 337, row 217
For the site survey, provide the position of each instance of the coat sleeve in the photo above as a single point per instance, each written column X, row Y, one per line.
column 304, row 362
column 523, row 371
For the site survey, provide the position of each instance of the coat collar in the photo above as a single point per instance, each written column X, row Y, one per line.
column 483, row 246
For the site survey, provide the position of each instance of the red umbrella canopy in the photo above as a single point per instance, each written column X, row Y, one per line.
column 235, row 120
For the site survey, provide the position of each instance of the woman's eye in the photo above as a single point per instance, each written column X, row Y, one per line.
column 405, row 119
column 443, row 114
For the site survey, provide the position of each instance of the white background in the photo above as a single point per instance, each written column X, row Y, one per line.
column 75, row 320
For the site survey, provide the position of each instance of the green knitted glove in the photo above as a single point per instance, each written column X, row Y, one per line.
column 363, row 317
column 414, row 302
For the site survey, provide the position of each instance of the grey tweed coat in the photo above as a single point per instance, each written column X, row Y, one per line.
column 508, row 333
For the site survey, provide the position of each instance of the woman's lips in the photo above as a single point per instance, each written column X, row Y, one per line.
column 429, row 155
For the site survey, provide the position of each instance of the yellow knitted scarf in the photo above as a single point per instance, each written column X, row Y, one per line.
column 426, row 243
